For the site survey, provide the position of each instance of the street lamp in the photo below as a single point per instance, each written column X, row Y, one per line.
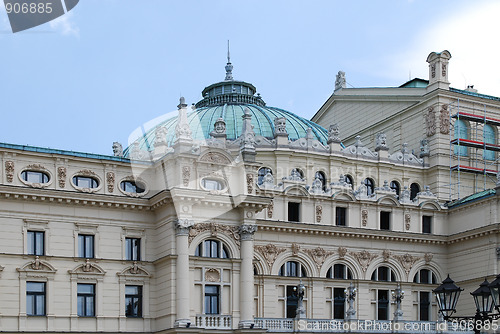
column 398, row 296
column 350, row 295
column 485, row 298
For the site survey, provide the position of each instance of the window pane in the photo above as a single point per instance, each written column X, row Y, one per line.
column 35, row 287
column 31, row 242
column 39, row 243
column 40, row 305
column 338, row 303
column 86, row 288
column 30, row 305
column 90, row 306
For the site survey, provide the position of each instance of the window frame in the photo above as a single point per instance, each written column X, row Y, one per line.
column 370, row 186
column 414, row 190
column 261, row 173
column 29, row 293
column 386, row 302
column 86, row 296
column 291, row 266
column 94, row 182
column 134, row 297
column 346, row 272
column 391, row 275
column 385, row 220
column 290, row 206
column 132, row 251
column 45, row 177
column 222, row 250
column 340, row 219
column 211, row 296
column 82, row 246
column 322, row 177
column 136, row 185
column 394, row 185
column 427, row 224
column 33, row 243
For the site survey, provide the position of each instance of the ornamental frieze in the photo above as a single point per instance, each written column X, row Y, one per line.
column 215, row 158
column 270, row 252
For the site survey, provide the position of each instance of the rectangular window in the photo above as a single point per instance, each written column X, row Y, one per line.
column 211, row 299
column 133, row 249
column 293, row 212
column 338, row 303
column 385, row 220
column 36, row 243
column 383, row 305
column 86, row 300
column 133, row 301
column 340, row 216
column 86, row 246
column 426, row 224
column 424, row 306
column 35, row 298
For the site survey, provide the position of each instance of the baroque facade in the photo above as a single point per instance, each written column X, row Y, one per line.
column 215, row 219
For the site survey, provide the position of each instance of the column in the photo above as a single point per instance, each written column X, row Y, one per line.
column 246, row 276
column 182, row 282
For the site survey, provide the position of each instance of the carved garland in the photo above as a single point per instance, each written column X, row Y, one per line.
column 364, row 258
column 270, row 209
column 110, row 179
column 407, row 261
column 9, row 170
column 407, row 221
column 342, row 252
column 319, row 255
column 444, row 120
column 430, row 121
column 364, row 217
column 250, row 183
column 270, row 252
column 319, row 213
column 61, row 175
column 231, row 231
column 186, row 175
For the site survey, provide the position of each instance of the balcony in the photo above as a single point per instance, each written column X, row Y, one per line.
column 213, row 321
column 275, row 325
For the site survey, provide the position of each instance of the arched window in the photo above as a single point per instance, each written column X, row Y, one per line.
column 262, row 173
column 297, row 171
column 395, row 186
column 489, row 138
column 321, row 176
column 292, row 269
column 212, row 248
column 460, row 132
column 370, row 186
column 383, row 274
column 414, row 190
column 349, row 180
column 339, row 271
column 255, row 271
column 425, row 276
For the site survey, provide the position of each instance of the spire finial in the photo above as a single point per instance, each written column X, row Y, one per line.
column 229, row 66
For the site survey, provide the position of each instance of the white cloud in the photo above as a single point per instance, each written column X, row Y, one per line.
column 65, row 25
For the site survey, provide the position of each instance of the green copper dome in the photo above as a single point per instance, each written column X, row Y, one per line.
column 227, row 100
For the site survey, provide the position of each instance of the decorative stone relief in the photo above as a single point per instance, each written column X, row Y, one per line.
column 183, row 226
column 61, row 176
column 280, row 126
column 405, row 156
column 359, row 150
column 219, row 128
column 342, row 252
column 295, row 249
column 247, row 132
column 36, row 265
column 407, row 261
column 214, row 229
column 407, row 221
column 186, row 175
column 9, row 170
column 216, row 158
column 426, row 193
column 182, row 129
column 294, row 176
column 319, row 213
column 364, row 258
column 364, row 217
column 424, row 148
column 270, row 209
column 309, row 143
column 247, row 231
column 342, row 182
column 250, row 183
column 405, row 196
column 443, row 70
column 110, row 179
column 444, row 119
column 135, row 268
column 334, row 134
column 160, row 136
column 340, row 81
column 430, row 121
column 268, row 181
column 270, row 252
column 318, row 255
column 385, row 188
column 87, row 267
column 212, row 275
column 386, row 254
column 428, row 257
column 316, row 187
column 433, row 70
column 117, row 149
column 381, row 142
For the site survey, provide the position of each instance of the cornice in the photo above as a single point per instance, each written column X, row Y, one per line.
column 360, row 233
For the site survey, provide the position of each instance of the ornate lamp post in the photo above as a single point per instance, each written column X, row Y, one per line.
column 350, row 295
column 398, row 296
column 300, row 290
column 485, row 297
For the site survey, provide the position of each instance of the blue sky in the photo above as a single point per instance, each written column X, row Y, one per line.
column 96, row 74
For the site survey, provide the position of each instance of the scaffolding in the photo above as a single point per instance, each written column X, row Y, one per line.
column 475, row 162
